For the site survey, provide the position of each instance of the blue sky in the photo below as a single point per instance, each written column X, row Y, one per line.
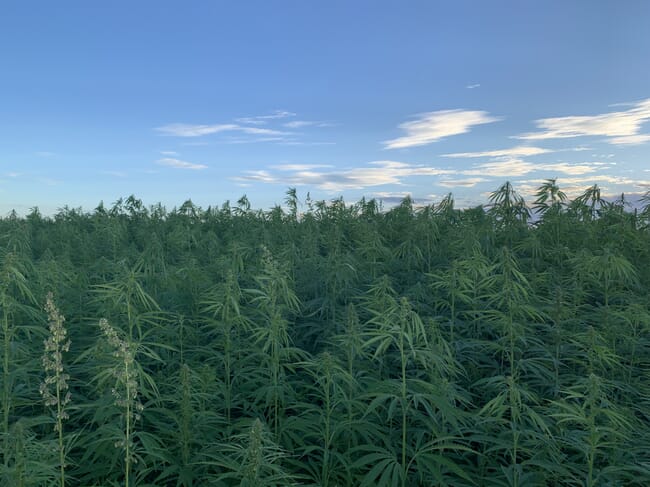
column 211, row 100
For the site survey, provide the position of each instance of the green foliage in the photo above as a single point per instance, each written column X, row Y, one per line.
column 328, row 344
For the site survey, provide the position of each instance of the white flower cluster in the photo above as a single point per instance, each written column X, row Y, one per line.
column 54, row 388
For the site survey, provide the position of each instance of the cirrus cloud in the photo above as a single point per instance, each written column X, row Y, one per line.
column 376, row 173
column 198, row 130
column 178, row 164
column 262, row 119
column 297, row 124
column 513, row 167
column 519, row 151
column 299, row 167
column 432, row 126
column 463, row 183
column 620, row 127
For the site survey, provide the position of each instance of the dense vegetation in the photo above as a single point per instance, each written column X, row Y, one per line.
column 327, row 344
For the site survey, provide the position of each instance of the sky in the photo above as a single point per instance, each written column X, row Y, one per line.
column 213, row 100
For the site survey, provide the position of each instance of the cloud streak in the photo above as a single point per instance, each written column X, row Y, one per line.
column 513, row 167
column 463, row 183
column 387, row 172
column 263, row 119
column 299, row 167
column 297, row 124
column 607, row 179
column 376, row 173
column 178, row 164
column 622, row 127
column 273, row 128
column 432, row 126
column 519, row 151
column 198, row 130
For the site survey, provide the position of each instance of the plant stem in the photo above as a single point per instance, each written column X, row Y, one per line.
column 6, row 388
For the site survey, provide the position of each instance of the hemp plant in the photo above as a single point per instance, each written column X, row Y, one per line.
column 54, row 388
column 125, row 392
column 15, row 300
column 276, row 303
column 252, row 459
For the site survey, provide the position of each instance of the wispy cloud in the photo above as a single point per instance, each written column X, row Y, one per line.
column 631, row 139
column 607, row 179
column 519, row 151
column 433, row 126
column 375, row 173
column 296, row 124
column 168, row 153
column 299, row 167
column 258, row 175
column 504, row 169
column 471, row 87
column 513, row 167
column 391, row 194
column 395, row 173
column 192, row 130
column 571, row 169
column 178, row 164
column 464, row 183
column 260, row 131
column 620, row 127
column 262, row 119
column 246, row 130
